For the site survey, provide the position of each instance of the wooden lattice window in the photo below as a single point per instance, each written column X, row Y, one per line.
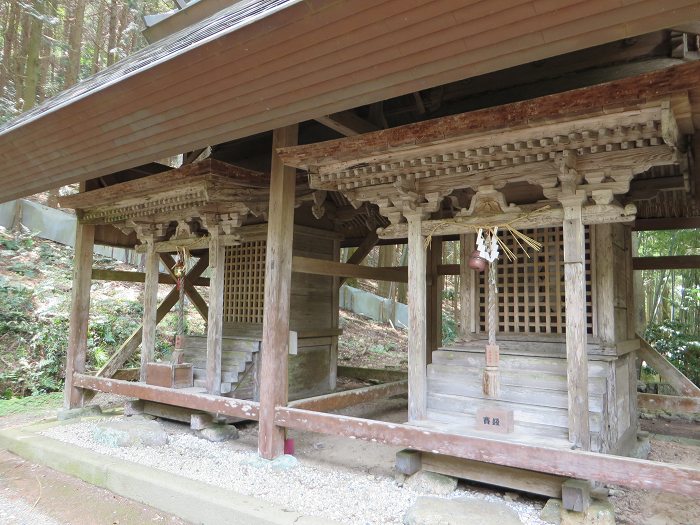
column 244, row 283
column 531, row 290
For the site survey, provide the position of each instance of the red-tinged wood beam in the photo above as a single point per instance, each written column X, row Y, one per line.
column 618, row 470
column 673, row 404
column 170, row 396
column 277, row 295
column 348, row 398
column 675, row 262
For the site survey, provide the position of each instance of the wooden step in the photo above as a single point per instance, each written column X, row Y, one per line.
column 228, row 344
column 529, row 348
column 522, row 378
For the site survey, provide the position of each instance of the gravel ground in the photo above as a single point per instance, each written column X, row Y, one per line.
column 346, row 495
column 17, row 512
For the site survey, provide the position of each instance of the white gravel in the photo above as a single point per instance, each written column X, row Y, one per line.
column 346, row 495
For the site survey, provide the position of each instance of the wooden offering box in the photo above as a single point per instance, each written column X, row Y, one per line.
column 169, row 375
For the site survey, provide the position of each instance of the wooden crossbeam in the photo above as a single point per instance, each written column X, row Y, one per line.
column 170, row 396
column 129, row 346
column 138, row 277
column 669, row 372
column 336, row 269
column 672, row 404
column 199, row 303
column 618, row 470
column 348, row 398
column 674, row 262
column 347, row 123
column 361, row 252
column 666, row 223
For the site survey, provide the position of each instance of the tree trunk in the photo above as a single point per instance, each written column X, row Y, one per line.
column 10, row 29
column 97, row 48
column 31, row 72
column 112, row 35
column 20, row 56
column 386, row 258
column 75, row 45
column 46, row 48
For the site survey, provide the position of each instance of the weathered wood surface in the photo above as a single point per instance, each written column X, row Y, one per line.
column 79, row 313
column 467, row 287
column 371, row 374
column 181, row 397
column 666, row 223
column 150, row 307
column 669, row 372
column 217, row 266
column 627, row 93
column 498, row 475
column 672, row 404
column 604, row 281
column 576, row 340
column 127, row 348
column 336, row 269
column 366, row 246
column 675, row 262
column 139, row 277
column 197, row 300
column 348, row 398
column 626, row 472
column 552, row 216
column 434, row 298
column 417, row 333
column 278, row 286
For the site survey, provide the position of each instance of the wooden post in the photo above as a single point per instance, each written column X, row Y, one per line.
column 278, row 284
column 79, row 312
column 434, row 298
column 335, row 322
column 467, row 286
column 576, row 337
column 417, row 334
column 491, row 382
column 604, row 281
column 217, row 263
column 150, row 304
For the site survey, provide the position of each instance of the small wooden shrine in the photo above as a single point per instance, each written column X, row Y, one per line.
column 306, row 126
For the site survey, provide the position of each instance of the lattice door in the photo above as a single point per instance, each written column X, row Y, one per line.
column 531, row 290
column 244, row 283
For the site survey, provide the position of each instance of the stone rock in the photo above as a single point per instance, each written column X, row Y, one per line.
column 551, row 512
column 219, row 432
column 130, row 432
column 669, row 417
column 511, row 496
column 462, row 511
column 641, row 386
column 73, row 413
column 599, row 513
column 431, row 483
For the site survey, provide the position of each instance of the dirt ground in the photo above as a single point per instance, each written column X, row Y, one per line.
column 368, row 344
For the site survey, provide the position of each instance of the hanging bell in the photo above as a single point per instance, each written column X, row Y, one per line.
column 477, row 262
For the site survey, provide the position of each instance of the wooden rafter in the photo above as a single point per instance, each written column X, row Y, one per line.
column 347, row 123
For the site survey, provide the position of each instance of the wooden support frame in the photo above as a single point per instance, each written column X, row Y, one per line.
column 576, row 338
column 669, row 372
column 361, row 252
column 132, row 343
column 79, row 313
column 674, row 262
column 122, row 276
column 336, row 269
column 217, row 265
column 467, row 287
column 417, row 333
column 348, row 398
column 604, row 281
column 199, row 303
column 618, row 470
column 150, row 306
column 207, row 403
column 278, row 278
column 672, row 404
column 434, row 298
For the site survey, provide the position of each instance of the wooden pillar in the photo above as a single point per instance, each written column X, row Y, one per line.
column 335, row 322
column 417, row 333
column 150, row 304
column 576, row 337
column 434, row 298
column 278, row 283
column 467, row 287
column 79, row 312
column 215, row 321
column 604, row 281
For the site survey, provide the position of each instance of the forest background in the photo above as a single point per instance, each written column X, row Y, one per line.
column 49, row 45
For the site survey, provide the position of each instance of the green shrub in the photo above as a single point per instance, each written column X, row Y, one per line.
column 683, row 350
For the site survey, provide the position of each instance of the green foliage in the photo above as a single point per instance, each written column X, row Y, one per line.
column 449, row 328
column 671, row 340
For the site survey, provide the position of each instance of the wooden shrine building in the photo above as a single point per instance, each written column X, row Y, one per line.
column 555, row 127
